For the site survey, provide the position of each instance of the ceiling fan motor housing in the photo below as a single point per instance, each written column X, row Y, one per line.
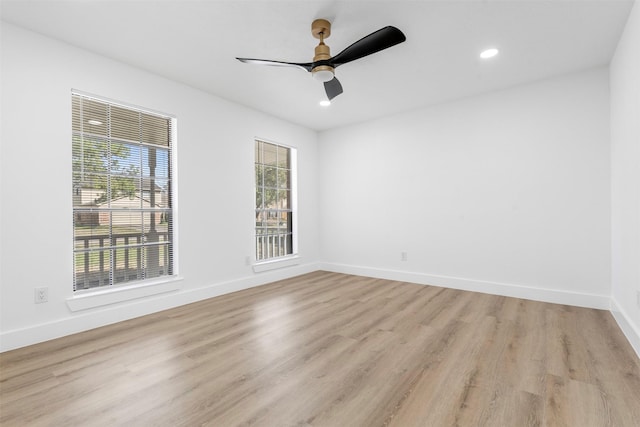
column 322, row 72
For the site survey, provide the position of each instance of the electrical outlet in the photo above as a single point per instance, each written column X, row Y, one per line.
column 638, row 298
column 403, row 256
column 247, row 260
column 41, row 295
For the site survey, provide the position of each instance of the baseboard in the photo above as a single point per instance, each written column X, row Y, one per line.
column 91, row 319
column 629, row 330
column 517, row 291
column 95, row 318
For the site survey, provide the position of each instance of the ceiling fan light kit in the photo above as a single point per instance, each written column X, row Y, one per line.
column 323, row 73
column 323, row 66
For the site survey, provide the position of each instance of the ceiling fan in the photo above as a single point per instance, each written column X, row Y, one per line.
column 323, row 66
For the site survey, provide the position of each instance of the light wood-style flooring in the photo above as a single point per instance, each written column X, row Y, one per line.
column 328, row 349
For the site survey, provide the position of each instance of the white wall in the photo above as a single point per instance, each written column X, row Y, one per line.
column 215, row 184
column 507, row 193
column 625, row 177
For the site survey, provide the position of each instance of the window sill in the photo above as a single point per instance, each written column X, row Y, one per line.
column 84, row 300
column 276, row 263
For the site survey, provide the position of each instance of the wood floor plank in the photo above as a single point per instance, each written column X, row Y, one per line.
column 329, row 349
column 445, row 387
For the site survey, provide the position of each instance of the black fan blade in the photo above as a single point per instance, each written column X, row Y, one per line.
column 374, row 42
column 333, row 88
column 303, row 66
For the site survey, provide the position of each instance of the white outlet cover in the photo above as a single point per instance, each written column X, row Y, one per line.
column 41, row 295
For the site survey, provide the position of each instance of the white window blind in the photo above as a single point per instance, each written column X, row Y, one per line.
column 274, row 201
column 122, row 193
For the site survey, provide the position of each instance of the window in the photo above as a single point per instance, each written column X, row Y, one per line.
column 275, row 179
column 122, row 193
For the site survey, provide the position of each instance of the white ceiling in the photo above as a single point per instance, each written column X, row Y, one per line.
column 196, row 42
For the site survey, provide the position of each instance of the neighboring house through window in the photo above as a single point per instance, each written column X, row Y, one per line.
column 275, row 200
column 122, row 193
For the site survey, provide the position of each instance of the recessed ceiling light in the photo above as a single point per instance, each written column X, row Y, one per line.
column 489, row 53
column 325, row 103
column 94, row 122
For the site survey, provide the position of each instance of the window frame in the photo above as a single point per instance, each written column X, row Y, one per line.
column 93, row 296
column 263, row 263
